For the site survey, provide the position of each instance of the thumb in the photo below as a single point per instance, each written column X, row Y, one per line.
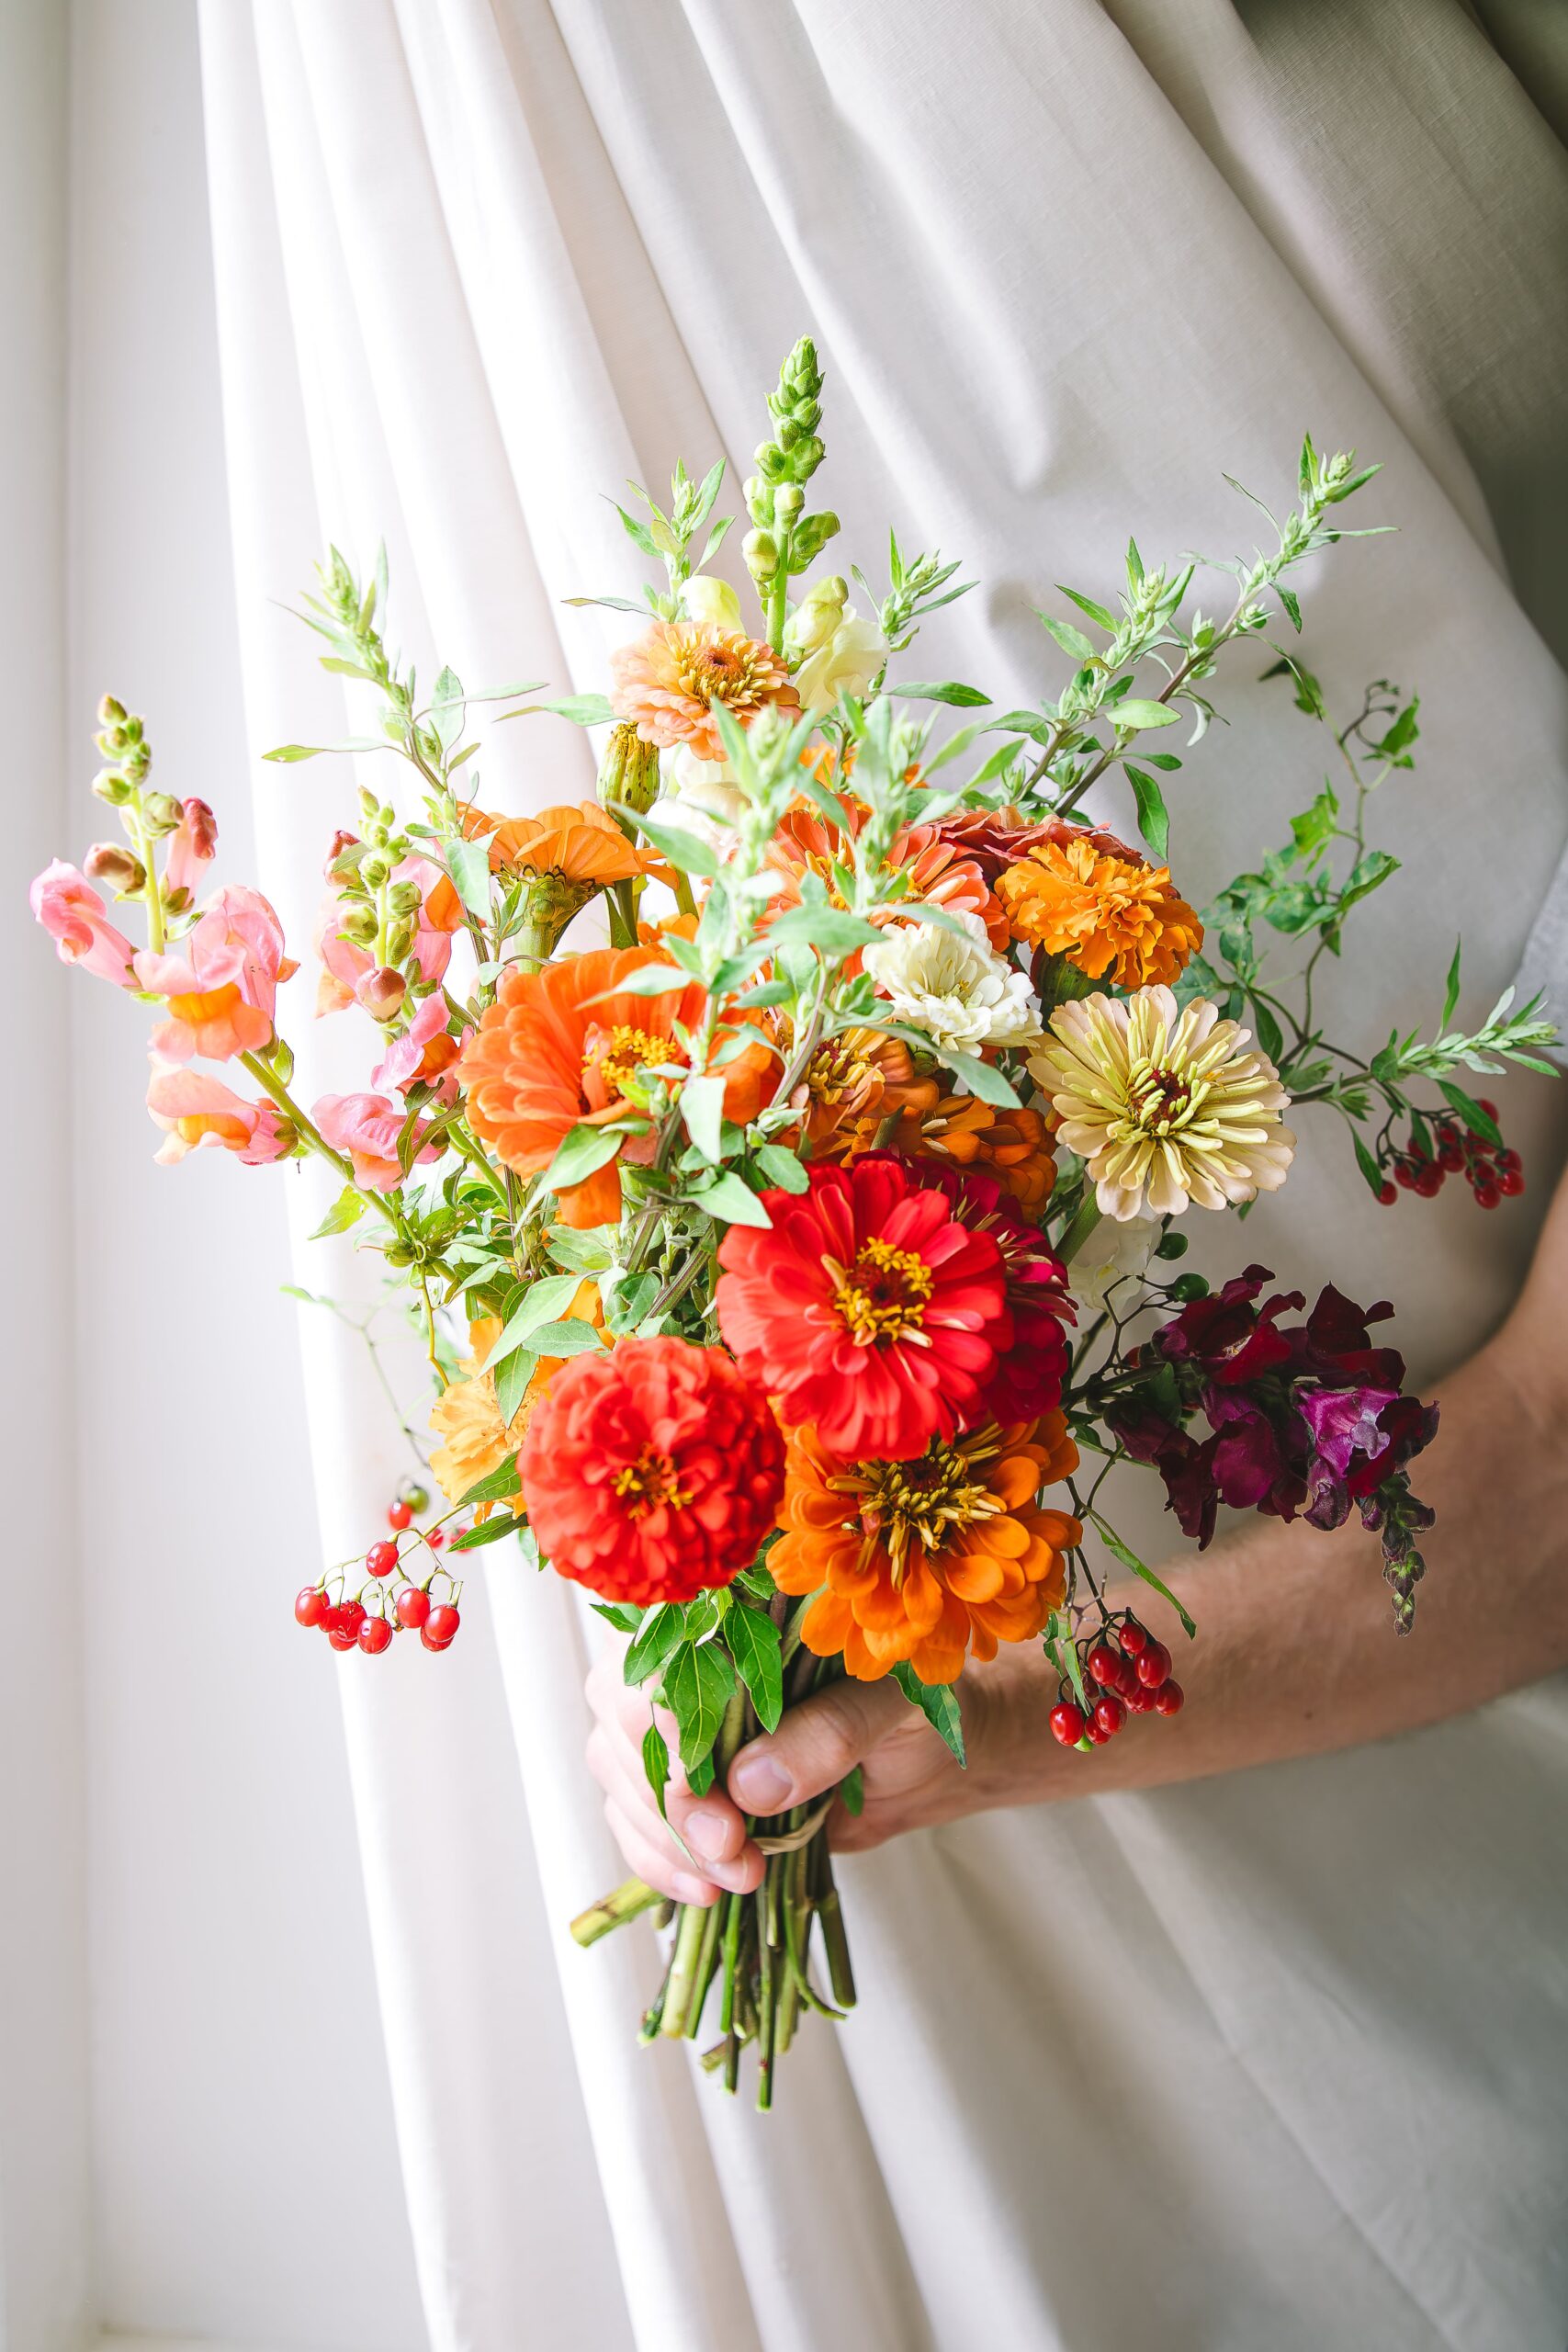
column 815, row 1746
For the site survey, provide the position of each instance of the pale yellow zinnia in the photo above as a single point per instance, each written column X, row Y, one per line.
column 1165, row 1106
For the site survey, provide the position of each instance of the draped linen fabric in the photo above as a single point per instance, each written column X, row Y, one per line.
column 1276, row 2059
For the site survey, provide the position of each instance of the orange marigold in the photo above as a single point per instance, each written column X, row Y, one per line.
column 939, row 873
column 929, row 1560
column 959, row 1129
column 559, row 1047
column 1103, row 912
column 667, row 681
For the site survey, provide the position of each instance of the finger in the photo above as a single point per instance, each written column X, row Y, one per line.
column 815, row 1746
column 661, row 1865
column 715, row 1834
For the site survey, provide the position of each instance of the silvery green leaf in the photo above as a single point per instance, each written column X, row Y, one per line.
column 702, row 1110
column 542, row 1302
column 730, row 1201
column 468, row 863
column 1135, row 713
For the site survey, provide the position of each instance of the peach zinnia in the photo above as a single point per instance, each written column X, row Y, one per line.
column 560, row 1048
column 926, row 1561
column 668, row 681
column 938, row 874
column 1105, row 913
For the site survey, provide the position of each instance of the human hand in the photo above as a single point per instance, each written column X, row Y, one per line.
column 911, row 1779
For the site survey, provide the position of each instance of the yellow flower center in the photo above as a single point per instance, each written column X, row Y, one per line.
column 715, row 674
column 650, row 1482
column 927, row 1502
column 837, row 1069
column 615, row 1054
column 882, row 1296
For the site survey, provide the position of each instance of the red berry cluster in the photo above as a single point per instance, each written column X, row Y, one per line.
column 368, row 1620
column 1131, row 1672
column 1491, row 1172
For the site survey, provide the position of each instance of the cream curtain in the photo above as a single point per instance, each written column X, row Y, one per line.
column 1273, row 2061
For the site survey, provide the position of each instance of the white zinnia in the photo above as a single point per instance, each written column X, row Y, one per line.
column 955, row 986
column 1166, row 1105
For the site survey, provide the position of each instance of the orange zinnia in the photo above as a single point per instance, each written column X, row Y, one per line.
column 960, row 1130
column 939, row 874
column 668, row 680
column 559, row 1047
column 854, row 1081
column 1103, row 912
column 928, row 1560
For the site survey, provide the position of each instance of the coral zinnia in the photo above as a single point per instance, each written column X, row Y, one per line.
column 855, row 1079
column 998, row 838
column 1101, row 912
column 559, row 1047
column 1166, row 1106
column 929, row 1559
column 653, row 1472
column 866, row 1309
column 938, row 874
column 668, row 680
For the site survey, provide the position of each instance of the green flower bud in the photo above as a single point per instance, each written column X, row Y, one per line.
column 161, row 813
column 628, row 773
column 374, row 870
column 358, row 923
column 111, row 711
column 119, row 868
column 788, row 499
column 761, row 550
column 110, row 786
column 399, row 939
column 810, row 536
column 404, row 898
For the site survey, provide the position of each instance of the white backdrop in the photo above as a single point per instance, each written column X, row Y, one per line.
column 467, row 278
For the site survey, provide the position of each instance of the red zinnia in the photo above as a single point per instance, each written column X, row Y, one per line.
column 651, row 1471
column 866, row 1309
column 1028, row 1376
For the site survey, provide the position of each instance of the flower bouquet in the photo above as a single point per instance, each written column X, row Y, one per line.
column 795, row 1252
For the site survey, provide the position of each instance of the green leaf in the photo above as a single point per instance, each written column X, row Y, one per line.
column 1129, row 716
column 1470, row 1113
column 685, row 850
column 947, row 690
column 512, row 1382
column 1367, row 1164
column 660, row 1632
column 936, row 1702
column 698, row 1682
column 499, row 1486
column 1292, row 605
column 983, row 1078
column 446, row 708
column 1087, row 605
column 832, row 931
column 852, row 1791
column 583, row 710
column 753, row 1641
column 1270, row 1036
column 468, row 865
column 782, row 1167
column 1153, row 822
column 489, row 1530
column 1450, row 995
column 582, row 1151
column 346, row 1210
column 701, row 1112
column 622, row 1614
column 288, row 753
column 1063, row 1653
column 541, row 1303
column 730, row 1201
column 655, row 1763
column 573, row 1338
column 1129, row 1559
column 1071, row 641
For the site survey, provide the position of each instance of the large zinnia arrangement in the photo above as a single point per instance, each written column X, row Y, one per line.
column 787, row 1155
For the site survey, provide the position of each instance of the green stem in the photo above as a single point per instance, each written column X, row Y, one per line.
column 629, row 1901
column 688, row 1938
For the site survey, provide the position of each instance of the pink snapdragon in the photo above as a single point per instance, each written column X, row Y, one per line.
column 366, row 1127
column 426, row 1050
column 77, row 920
column 191, row 848
column 222, row 986
column 197, row 1111
column 349, row 967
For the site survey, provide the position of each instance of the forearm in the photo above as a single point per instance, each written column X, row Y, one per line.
column 1296, row 1652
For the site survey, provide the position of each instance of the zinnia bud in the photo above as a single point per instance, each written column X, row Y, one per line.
column 628, row 773
column 118, row 868
column 382, row 992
